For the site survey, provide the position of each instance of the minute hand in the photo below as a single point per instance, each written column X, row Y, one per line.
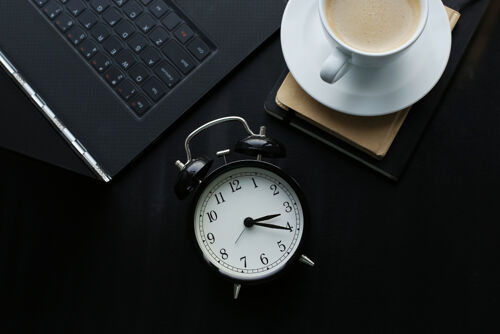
column 271, row 226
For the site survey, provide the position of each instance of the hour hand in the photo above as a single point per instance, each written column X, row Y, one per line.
column 268, row 217
column 249, row 222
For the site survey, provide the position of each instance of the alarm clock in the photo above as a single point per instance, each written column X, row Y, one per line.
column 248, row 216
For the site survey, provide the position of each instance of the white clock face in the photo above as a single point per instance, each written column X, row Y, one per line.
column 260, row 248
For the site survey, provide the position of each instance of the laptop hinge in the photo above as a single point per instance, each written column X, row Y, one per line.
column 56, row 122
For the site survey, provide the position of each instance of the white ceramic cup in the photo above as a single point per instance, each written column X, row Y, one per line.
column 343, row 56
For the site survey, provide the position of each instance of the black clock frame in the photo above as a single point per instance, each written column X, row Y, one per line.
column 269, row 167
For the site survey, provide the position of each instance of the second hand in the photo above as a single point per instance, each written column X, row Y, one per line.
column 240, row 235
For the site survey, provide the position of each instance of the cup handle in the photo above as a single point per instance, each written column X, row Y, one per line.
column 335, row 66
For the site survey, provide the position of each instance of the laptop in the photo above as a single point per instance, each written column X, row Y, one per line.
column 112, row 75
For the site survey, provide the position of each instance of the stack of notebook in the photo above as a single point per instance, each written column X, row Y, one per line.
column 384, row 143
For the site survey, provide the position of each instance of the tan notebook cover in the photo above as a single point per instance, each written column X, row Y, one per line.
column 374, row 135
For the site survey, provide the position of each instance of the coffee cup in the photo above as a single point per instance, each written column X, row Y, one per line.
column 368, row 33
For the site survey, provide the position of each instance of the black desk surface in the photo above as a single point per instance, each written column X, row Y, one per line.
column 420, row 255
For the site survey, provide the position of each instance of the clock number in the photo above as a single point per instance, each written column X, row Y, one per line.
column 275, row 190
column 244, row 259
column 224, row 254
column 212, row 216
column 220, row 199
column 211, row 238
column 264, row 259
column 287, row 206
column 289, row 226
column 254, row 183
column 281, row 246
column 235, row 185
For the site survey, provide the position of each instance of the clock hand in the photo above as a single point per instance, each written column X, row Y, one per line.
column 265, row 218
column 240, row 235
column 249, row 222
column 272, row 226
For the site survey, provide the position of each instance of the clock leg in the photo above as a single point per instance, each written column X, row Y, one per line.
column 304, row 259
column 236, row 290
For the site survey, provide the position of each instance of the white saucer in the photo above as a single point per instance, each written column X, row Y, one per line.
column 364, row 91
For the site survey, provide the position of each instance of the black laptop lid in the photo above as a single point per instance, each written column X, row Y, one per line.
column 85, row 103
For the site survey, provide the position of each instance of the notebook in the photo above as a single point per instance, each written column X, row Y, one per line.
column 384, row 143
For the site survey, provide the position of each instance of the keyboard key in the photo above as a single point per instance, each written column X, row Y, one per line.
column 155, row 89
column 139, row 104
column 114, row 76
column 76, row 35
column 171, row 21
column 52, row 10
column 137, row 43
column 145, row 22
column 76, row 7
column 112, row 16
column 88, row 49
column 132, row 9
column 198, row 48
column 126, row 89
column 159, row 8
column 179, row 57
column 124, row 29
column 88, row 19
column 184, row 33
column 100, row 5
column 101, row 62
column 159, row 36
column 100, row 32
column 150, row 56
column 139, row 73
column 120, row 3
column 40, row 3
column 64, row 22
column 131, row 44
column 113, row 45
column 168, row 74
column 126, row 59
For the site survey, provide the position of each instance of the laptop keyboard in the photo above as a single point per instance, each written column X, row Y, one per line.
column 142, row 48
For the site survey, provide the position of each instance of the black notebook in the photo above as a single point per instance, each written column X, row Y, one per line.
column 394, row 162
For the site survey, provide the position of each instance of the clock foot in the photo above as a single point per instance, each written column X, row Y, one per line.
column 304, row 259
column 236, row 290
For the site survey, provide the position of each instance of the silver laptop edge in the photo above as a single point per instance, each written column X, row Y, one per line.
column 83, row 153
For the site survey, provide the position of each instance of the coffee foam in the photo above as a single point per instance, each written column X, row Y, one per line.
column 374, row 26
